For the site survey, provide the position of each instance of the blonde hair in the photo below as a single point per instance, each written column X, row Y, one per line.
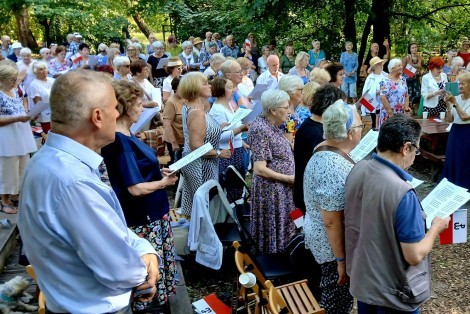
column 319, row 75
column 191, row 84
column 112, row 52
column 126, row 94
column 8, row 71
column 244, row 62
column 309, row 91
column 37, row 66
column 300, row 56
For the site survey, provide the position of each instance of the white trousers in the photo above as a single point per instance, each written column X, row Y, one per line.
column 11, row 173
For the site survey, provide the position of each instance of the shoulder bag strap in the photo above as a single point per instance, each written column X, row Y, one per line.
column 333, row 149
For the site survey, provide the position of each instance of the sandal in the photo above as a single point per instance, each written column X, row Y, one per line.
column 15, row 202
column 8, row 209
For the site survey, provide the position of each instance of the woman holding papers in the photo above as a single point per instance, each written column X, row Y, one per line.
column 140, row 185
column 456, row 167
column 433, row 87
column 16, row 138
column 223, row 112
column 372, row 87
column 199, row 128
column 39, row 92
column 273, row 179
column 324, row 196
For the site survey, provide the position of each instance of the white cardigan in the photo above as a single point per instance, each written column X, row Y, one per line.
column 202, row 237
column 429, row 86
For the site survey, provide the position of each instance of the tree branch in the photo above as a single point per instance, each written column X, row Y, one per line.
column 430, row 12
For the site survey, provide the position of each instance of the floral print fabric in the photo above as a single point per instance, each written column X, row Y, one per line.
column 396, row 93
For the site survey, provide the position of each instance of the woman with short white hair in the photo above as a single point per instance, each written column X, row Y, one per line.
column 316, row 55
column 263, row 60
column 157, row 75
column 122, row 68
column 324, row 196
column 102, row 57
column 455, row 67
column 215, row 62
column 273, row 177
column 294, row 87
column 16, row 138
column 393, row 92
column 39, row 92
column 24, row 69
column 189, row 58
column 301, row 64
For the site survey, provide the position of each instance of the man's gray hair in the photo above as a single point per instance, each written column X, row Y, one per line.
column 216, row 58
column 102, row 46
column 186, row 44
column 290, row 83
column 73, row 97
column 393, row 63
column 334, row 122
column 273, row 99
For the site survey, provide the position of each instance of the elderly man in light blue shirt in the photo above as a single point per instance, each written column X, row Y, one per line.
column 72, row 226
column 6, row 46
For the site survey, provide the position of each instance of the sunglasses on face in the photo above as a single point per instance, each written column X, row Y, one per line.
column 126, row 66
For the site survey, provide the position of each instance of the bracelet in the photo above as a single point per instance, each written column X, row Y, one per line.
column 340, row 259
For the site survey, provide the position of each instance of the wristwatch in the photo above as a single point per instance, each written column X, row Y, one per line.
column 218, row 153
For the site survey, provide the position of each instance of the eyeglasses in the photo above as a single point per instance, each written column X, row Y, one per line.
column 130, row 49
column 284, row 107
column 418, row 150
column 126, row 65
column 180, row 68
column 237, row 72
column 362, row 126
column 102, row 50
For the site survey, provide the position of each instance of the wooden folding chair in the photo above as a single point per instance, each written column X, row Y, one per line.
column 245, row 264
column 41, row 298
column 292, row 298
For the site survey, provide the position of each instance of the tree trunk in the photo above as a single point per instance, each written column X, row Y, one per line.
column 381, row 21
column 365, row 35
column 47, row 30
column 22, row 24
column 349, row 23
column 141, row 24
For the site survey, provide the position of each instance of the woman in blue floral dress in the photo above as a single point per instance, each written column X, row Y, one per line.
column 394, row 92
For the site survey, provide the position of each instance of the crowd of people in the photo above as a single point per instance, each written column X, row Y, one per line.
column 94, row 169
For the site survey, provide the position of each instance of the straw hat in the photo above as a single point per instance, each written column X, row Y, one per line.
column 197, row 40
column 374, row 61
column 174, row 62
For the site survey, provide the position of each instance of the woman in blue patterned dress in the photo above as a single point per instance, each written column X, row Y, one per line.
column 273, row 179
column 393, row 92
column 16, row 138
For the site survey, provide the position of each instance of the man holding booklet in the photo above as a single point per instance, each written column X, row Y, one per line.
column 386, row 242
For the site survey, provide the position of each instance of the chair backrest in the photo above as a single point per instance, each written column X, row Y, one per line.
column 293, row 297
column 245, row 264
column 41, row 298
column 276, row 303
column 235, row 181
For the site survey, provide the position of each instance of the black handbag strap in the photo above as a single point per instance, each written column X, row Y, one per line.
column 333, row 149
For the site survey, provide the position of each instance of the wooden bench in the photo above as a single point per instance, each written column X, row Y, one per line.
column 437, row 163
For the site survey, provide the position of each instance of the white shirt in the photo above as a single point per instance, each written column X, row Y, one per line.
column 221, row 114
column 372, row 85
column 269, row 79
column 39, row 88
column 465, row 105
column 167, row 85
column 246, row 86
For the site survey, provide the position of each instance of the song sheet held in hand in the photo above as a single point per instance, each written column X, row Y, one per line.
column 38, row 108
column 240, row 114
column 444, row 200
column 145, row 117
column 197, row 153
column 365, row 146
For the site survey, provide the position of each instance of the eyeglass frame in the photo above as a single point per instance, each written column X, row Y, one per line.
column 418, row 150
column 362, row 126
